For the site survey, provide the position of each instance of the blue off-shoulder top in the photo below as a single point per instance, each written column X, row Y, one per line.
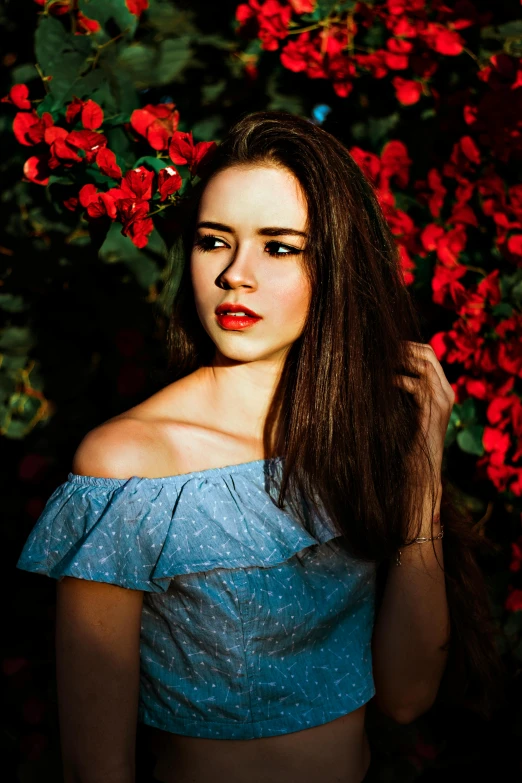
column 253, row 625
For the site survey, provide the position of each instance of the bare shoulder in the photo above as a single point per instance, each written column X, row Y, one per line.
column 118, row 448
column 148, row 440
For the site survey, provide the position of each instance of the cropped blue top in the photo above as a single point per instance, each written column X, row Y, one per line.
column 252, row 624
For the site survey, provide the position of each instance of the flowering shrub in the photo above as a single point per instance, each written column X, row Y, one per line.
column 114, row 119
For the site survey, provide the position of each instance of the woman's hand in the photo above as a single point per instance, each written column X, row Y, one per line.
column 434, row 395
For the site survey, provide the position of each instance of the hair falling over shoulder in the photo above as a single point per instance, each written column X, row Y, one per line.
column 344, row 427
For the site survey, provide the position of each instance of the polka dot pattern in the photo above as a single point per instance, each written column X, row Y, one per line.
column 252, row 625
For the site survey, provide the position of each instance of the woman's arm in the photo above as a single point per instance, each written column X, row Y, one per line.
column 411, row 627
column 97, row 666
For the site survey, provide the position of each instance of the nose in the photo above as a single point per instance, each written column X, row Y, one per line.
column 240, row 271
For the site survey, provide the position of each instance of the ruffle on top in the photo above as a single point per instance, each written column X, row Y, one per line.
column 139, row 533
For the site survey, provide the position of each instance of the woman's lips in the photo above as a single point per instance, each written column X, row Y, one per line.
column 234, row 322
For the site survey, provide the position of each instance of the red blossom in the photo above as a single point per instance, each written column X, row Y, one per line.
column 137, row 7
column 406, row 90
column 18, row 96
column 302, row 6
column 86, row 26
column 92, row 115
column 137, row 184
column 169, row 181
column 36, row 169
column 156, row 123
column 136, row 225
column 514, row 601
column 270, row 18
column 60, row 150
column 106, row 160
column 29, row 128
column 442, row 40
column 88, row 141
column 182, row 150
column 73, row 109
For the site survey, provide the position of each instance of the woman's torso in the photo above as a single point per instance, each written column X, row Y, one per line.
column 187, row 439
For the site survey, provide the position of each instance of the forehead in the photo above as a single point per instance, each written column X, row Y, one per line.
column 266, row 195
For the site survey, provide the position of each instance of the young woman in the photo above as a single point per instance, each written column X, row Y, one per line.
column 249, row 628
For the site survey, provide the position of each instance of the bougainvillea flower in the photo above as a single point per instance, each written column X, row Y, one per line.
column 60, row 151
column 157, row 123
column 98, row 204
column 29, row 128
column 137, row 184
column 395, row 163
column 302, row 6
column 368, row 161
column 514, row 600
column 169, row 181
column 73, row 109
column 18, row 95
column 271, row 19
column 36, row 169
column 85, row 25
column 182, row 150
column 71, row 203
column 442, row 40
column 92, row 115
column 88, row 141
column 136, row 224
column 106, row 160
column 137, row 7
column 396, row 58
column 407, row 91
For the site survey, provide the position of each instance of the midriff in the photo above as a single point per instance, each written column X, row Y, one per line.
column 334, row 752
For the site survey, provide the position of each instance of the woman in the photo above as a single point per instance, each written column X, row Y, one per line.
column 193, row 599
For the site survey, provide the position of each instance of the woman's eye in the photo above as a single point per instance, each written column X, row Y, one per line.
column 288, row 250
column 206, row 242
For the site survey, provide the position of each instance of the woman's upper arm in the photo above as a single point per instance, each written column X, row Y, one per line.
column 97, row 667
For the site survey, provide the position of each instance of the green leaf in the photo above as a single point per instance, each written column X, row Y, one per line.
column 174, row 55
column 50, row 41
column 156, row 164
column 23, row 73
column 502, row 310
column 470, row 440
column 13, row 303
column 16, row 339
column 467, row 411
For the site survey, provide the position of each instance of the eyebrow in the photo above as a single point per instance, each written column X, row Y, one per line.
column 270, row 231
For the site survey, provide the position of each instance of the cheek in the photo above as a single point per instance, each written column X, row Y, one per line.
column 291, row 299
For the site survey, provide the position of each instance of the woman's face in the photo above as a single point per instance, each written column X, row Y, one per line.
column 247, row 251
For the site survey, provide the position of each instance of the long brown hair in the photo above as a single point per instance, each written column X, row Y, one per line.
column 344, row 427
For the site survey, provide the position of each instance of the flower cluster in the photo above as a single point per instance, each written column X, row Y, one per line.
column 333, row 47
column 83, row 25
column 81, row 150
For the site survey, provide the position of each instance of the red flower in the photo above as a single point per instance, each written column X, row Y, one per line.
column 18, row 95
column 137, row 184
column 183, row 150
column 74, row 108
column 85, row 25
column 406, row 90
column 99, row 204
column 137, row 7
column 136, row 224
column 92, row 115
column 442, row 40
column 514, row 601
column 59, row 148
column 271, row 19
column 29, row 128
column 302, row 6
column 106, row 160
column 168, row 182
column 36, row 169
column 156, row 123
column 395, row 163
column 88, row 141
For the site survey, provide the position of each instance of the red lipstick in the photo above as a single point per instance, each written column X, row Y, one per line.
column 226, row 320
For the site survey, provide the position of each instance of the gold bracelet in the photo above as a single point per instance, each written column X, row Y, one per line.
column 420, row 540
